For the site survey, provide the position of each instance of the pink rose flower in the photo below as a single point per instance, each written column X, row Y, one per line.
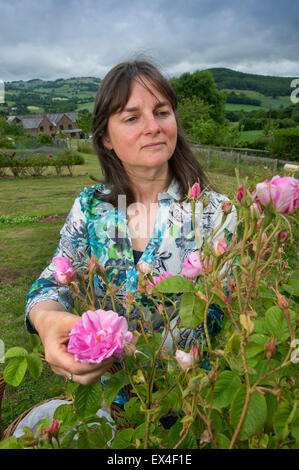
column 283, row 191
column 226, row 206
column 187, row 360
column 220, row 246
column 99, row 335
column 157, row 279
column 195, row 191
column 64, row 271
column 193, row 266
column 240, row 193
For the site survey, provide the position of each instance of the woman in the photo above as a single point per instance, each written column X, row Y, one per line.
column 135, row 217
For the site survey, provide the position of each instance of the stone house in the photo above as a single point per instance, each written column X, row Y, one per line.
column 50, row 124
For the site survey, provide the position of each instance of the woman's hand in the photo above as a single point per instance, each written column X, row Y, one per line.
column 53, row 327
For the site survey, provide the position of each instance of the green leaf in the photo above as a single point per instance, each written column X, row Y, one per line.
column 276, row 323
column 123, row 440
column 15, row 370
column 34, row 342
column 175, row 285
column 15, row 352
column 222, row 440
column 225, row 388
column 113, row 386
column 191, row 310
column 35, row 365
column 11, row 443
column 88, row 399
column 259, row 339
column 252, row 349
column 282, row 418
column 256, row 413
column 292, row 287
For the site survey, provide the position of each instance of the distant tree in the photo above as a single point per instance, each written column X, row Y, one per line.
column 200, row 84
column 84, row 122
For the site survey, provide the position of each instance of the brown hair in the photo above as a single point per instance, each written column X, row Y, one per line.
column 112, row 96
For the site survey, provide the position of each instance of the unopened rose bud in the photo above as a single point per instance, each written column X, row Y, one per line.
column 255, row 211
column 270, row 348
column 240, row 193
column 283, row 236
column 195, row 191
column 226, row 207
column 282, row 302
column 144, row 268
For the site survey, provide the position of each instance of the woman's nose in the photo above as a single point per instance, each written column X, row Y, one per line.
column 151, row 125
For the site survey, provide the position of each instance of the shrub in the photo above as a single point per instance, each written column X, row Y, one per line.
column 6, row 143
column 285, row 144
column 44, row 138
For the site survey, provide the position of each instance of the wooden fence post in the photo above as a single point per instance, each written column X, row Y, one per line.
column 208, row 162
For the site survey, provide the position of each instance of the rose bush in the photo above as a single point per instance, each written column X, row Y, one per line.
column 238, row 389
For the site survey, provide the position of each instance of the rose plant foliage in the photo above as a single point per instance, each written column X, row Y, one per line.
column 238, row 389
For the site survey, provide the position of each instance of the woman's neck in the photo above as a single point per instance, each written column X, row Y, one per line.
column 148, row 184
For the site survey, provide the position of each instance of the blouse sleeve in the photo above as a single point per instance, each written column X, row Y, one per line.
column 73, row 244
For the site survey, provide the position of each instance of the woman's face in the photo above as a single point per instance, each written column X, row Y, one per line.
column 144, row 134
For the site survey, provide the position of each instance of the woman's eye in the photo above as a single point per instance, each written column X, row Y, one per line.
column 131, row 119
column 163, row 113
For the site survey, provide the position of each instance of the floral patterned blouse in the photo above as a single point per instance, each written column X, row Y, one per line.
column 94, row 227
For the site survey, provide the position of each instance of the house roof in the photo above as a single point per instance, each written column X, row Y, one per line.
column 33, row 121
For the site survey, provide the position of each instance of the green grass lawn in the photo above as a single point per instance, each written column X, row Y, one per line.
column 251, row 135
column 25, row 250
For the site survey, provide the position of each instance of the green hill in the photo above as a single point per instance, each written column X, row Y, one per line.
column 243, row 91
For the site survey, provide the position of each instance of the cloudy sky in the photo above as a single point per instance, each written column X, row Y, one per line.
column 52, row 39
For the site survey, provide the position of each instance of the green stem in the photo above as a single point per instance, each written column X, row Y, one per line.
column 247, row 396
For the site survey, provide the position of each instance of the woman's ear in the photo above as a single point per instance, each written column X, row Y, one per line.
column 106, row 142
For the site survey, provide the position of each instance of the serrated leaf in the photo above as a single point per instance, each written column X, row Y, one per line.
column 256, row 413
column 282, row 419
column 15, row 352
column 252, row 349
column 123, row 440
column 114, row 384
column 292, row 287
column 35, row 365
column 276, row 323
column 225, row 388
column 88, row 399
column 15, row 370
column 191, row 310
column 175, row 285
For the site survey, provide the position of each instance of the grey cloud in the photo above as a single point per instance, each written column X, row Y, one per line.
column 52, row 39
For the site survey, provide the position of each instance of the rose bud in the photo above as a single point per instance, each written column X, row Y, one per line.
column 282, row 302
column 283, row 236
column 270, row 348
column 226, row 207
column 240, row 193
column 195, row 191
